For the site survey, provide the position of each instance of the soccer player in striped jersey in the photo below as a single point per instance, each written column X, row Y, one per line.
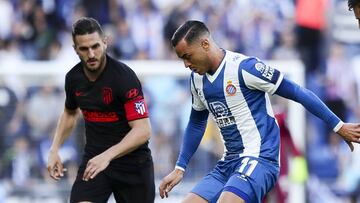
column 354, row 5
column 234, row 89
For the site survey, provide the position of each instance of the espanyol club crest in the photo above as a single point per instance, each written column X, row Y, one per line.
column 140, row 107
column 230, row 88
column 107, row 95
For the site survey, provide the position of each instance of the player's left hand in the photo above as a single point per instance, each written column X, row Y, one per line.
column 95, row 165
column 350, row 132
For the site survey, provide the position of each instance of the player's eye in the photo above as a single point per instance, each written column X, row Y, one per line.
column 95, row 46
column 83, row 48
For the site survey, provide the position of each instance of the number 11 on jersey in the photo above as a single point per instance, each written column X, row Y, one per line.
column 247, row 162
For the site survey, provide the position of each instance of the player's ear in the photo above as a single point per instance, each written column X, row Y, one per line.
column 74, row 46
column 105, row 41
column 205, row 43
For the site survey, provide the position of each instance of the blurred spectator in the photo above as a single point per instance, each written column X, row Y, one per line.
column 6, row 14
column 287, row 46
column 146, row 27
column 344, row 29
column 348, row 182
column 325, row 158
column 123, row 43
column 341, row 91
column 42, row 110
column 162, row 153
column 259, row 32
column 98, row 10
column 176, row 17
column 10, row 50
column 19, row 160
column 311, row 22
column 8, row 104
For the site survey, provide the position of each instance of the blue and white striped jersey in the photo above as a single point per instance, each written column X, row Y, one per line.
column 237, row 97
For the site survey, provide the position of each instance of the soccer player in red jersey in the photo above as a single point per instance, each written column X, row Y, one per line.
column 108, row 93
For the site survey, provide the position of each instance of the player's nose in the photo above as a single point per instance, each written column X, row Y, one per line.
column 187, row 64
column 91, row 53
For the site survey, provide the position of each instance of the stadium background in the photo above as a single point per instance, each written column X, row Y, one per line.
column 36, row 51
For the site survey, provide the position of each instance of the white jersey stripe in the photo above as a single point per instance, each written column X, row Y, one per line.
column 240, row 110
column 253, row 82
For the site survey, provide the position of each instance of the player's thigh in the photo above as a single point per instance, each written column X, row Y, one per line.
column 96, row 190
column 194, row 198
column 209, row 188
column 252, row 179
column 226, row 197
column 138, row 187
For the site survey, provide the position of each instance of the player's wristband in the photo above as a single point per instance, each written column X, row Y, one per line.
column 180, row 168
column 338, row 126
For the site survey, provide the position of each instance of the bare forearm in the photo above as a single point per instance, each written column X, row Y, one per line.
column 64, row 127
column 136, row 137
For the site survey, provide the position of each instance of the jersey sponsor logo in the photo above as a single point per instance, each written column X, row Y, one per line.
column 260, row 67
column 132, row 93
column 199, row 92
column 230, row 88
column 222, row 114
column 98, row 116
column 140, row 107
column 269, row 72
column 266, row 71
column 107, row 95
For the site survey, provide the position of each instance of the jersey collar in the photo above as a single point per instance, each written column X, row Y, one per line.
column 213, row 77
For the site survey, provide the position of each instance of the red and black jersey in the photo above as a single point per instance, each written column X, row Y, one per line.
column 107, row 105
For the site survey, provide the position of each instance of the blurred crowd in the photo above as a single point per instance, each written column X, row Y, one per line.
column 322, row 34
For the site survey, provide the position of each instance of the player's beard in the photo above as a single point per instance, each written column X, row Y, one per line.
column 94, row 69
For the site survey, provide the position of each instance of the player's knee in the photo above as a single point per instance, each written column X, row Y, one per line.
column 193, row 198
column 230, row 197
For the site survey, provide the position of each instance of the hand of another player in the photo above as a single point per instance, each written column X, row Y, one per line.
column 95, row 165
column 55, row 167
column 350, row 132
column 169, row 182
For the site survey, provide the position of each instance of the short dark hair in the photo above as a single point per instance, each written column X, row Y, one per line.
column 190, row 31
column 86, row 25
column 353, row 3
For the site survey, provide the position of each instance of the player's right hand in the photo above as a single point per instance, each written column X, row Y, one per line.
column 55, row 167
column 169, row 182
column 350, row 132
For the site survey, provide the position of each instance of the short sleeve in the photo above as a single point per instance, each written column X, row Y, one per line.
column 134, row 102
column 258, row 75
column 197, row 104
column 70, row 102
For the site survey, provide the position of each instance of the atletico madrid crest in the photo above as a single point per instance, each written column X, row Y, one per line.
column 107, row 95
column 140, row 107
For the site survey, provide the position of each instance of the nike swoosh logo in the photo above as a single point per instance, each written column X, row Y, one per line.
column 78, row 93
